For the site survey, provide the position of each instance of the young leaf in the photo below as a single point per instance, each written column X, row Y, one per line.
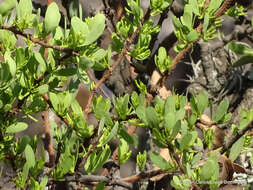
column 159, row 161
column 202, row 102
column 236, row 149
column 7, row 6
column 17, row 127
column 96, row 27
column 24, row 8
column 52, row 18
column 43, row 89
column 221, row 110
column 29, row 155
column 192, row 36
column 152, row 117
column 43, row 183
column 123, row 151
column 240, row 48
column 141, row 160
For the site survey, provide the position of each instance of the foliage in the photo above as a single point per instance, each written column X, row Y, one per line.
column 32, row 81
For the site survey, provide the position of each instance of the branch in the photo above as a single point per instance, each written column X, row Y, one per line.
column 182, row 53
column 148, row 174
column 236, row 137
column 95, row 178
column 128, row 42
column 39, row 41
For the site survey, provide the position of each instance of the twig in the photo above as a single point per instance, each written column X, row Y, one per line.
column 147, row 174
column 95, row 178
column 39, row 41
column 236, row 137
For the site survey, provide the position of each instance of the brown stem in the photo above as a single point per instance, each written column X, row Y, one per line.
column 48, row 140
column 39, row 41
column 182, row 53
column 144, row 175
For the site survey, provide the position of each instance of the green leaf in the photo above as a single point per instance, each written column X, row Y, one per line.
column 243, row 61
column 162, row 61
column 140, row 111
column 112, row 134
column 187, row 17
column 208, row 169
column 240, row 48
column 170, row 120
column 213, row 6
column 52, row 18
column 66, row 72
column 202, row 102
column 43, row 89
column 24, row 8
column 194, row 6
column 103, row 156
column 7, row 6
column 152, row 117
column 117, row 44
column 236, row 149
column 17, row 127
column 96, row 26
column 11, row 63
column 100, row 186
column 159, row 161
column 176, row 130
column 42, row 67
column 29, row 155
column 101, row 125
column 206, row 23
column 121, row 106
column 123, row 152
column 128, row 138
column 141, row 160
column 55, row 101
column 221, row 110
column 43, row 183
column 22, row 144
column 170, row 104
column 196, row 158
column 192, row 36
column 187, row 140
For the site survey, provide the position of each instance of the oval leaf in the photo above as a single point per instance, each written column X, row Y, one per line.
column 52, row 17
column 29, row 155
column 17, row 127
